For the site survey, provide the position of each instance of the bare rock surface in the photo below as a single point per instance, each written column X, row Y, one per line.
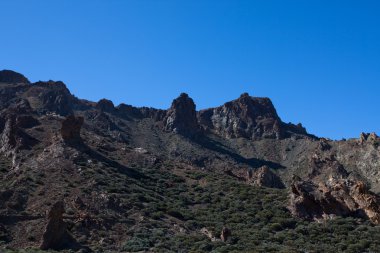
column 71, row 127
column 55, row 232
column 181, row 118
column 9, row 76
column 263, row 176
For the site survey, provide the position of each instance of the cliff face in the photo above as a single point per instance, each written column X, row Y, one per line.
column 123, row 168
column 247, row 117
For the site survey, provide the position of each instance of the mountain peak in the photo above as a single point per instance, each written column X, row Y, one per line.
column 182, row 117
column 10, row 76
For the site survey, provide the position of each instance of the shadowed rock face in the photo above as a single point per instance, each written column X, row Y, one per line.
column 105, row 105
column 263, row 176
column 53, row 97
column 9, row 76
column 181, row 118
column 246, row 117
column 70, row 130
column 55, row 232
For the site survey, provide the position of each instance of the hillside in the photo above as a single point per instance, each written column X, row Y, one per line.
column 86, row 176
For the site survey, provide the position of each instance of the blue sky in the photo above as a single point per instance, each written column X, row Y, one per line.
column 319, row 61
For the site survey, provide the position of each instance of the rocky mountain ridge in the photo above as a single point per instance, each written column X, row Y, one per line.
column 110, row 166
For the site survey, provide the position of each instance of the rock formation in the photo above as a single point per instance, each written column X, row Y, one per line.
column 330, row 192
column 181, row 118
column 9, row 76
column 342, row 197
column 70, row 129
column 55, row 232
column 245, row 117
column 263, row 176
column 225, row 234
column 51, row 97
column 369, row 138
column 105, row 105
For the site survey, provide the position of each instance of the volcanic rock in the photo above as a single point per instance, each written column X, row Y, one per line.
column 335, row 198
column 246, row 117
column 55, row 231
column 51, row 97
column 323, row 145
column 330, row 192
column 70, row 130
column 264, row 177
column 105, row 105
column 9, row 76
column 181, row 118
column 368, row 138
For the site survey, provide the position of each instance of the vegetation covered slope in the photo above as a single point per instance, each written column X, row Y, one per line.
column 143, row 180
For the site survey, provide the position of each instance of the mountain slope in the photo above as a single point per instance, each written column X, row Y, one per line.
column 90, row 176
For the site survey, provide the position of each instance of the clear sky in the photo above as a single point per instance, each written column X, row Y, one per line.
column 319, row 61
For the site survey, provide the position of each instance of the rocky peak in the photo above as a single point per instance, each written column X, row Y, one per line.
column 248, row 117
column 368, row 138
column 105, row 105
column 181, row 117
column 50, row 96
column 9, row 76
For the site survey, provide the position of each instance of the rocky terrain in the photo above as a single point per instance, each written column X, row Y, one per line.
column 82, row 176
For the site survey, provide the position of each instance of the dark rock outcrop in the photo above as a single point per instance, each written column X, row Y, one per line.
column 371, row 138
column 51, row 97
column 181, row 118
column 55, row 232
column 12, row 135
column 9, row 76
column 324, row 145
column 263, row 176
column 246, row 117
column 225, row 234
column 70, row 130
column 105, row 105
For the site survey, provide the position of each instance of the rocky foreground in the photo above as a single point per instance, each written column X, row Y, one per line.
column 84, row 176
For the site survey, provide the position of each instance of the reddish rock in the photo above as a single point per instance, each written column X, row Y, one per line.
column 55, row 232
column 330, row 192
column 70, row 130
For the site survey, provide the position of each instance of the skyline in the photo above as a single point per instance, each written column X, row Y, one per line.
column 317, row 61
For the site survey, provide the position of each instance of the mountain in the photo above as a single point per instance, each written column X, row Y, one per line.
column 86, row 176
